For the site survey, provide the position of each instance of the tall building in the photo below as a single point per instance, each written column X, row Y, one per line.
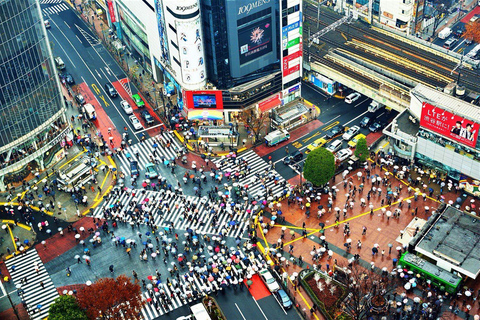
column 32, row 110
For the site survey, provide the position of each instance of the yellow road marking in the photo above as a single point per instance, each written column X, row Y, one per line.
column 330, row 126
column 312, row 136
column 344, row 36
column 104, row 101
column 11, row 236
column 95, row 88
column 21, row 225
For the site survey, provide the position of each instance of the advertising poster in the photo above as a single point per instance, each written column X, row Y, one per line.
column 204, row 99
column 161, row 31
column 255, row 40
column 449, row 125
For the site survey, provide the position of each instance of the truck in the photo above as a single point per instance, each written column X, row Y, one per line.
column 445, row 33
column 374, row 106
column 89, row 111
column 275, row 137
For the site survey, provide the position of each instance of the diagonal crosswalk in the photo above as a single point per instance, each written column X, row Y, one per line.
column 144, row 151
column 187, row 289
column 169, row 208
column 38, row 298
column 55, row 8
column 50, row 1
column 259, row 170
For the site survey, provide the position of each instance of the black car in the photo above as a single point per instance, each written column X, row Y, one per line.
column 376, row 126
column 297, row 156
column 366, row 121
column 459, row 31
column 110, row 89
column 68, row 78
column 335, row 131
column 80, row 99
column 147, row 117
column 134, row 169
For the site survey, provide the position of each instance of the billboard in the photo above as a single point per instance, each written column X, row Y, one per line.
column 255, row 40
column 190, row 42
column 449, row 125
column 206, row 99
column 162, row 32
column 111, row 11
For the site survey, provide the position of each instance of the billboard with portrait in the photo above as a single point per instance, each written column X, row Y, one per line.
column 449, row 125
column 255, row 40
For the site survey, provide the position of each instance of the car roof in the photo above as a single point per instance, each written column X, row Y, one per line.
column 360, row 135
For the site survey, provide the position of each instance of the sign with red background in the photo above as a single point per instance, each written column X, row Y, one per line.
column 190, row 96
column 111, row 10
column 449, row 125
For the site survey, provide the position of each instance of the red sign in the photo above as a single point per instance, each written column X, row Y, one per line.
column 111, row 10
column 449, row 125
column 290, row 57
column 270, row 103
column 204, row 99
column 293, row 69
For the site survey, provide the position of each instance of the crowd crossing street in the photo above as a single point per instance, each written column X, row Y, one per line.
column 165, row 209
column 33, row 283
column 251, row 172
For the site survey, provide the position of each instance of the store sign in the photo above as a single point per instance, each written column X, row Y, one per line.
column 252, row 5
column 270, row 103
column 293, row 42
column 449, row 125
column 291, row 70
column 290, row 57
column 111, row 10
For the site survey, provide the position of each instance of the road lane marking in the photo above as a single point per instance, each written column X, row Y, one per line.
column 95, row 88
column 259, row 308
column 356, row 118
column 330, row 126
column 240, row 312
column 102, row 97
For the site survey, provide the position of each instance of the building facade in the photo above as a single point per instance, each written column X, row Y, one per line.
column 32, row 122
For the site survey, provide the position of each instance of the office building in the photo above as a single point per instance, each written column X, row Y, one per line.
column 32, row 122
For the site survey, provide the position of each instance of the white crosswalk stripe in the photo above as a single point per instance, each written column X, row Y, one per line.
column 146, row 149
column 258, row 167
column 90, row 39
column 172, row 210
column 157, row 305
column 50, row 1
column 55, row 9
column 23, row 266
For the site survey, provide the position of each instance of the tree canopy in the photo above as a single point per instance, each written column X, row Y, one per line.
column 256, row 121
column 472, row 30
column 65, row 308
column 361, row 151
column 319, row 167
column 110, row 298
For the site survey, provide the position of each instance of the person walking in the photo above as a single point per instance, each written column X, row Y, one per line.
column 111, row 268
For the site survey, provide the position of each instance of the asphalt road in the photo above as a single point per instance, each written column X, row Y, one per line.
column 333, row 112
column 88, row 62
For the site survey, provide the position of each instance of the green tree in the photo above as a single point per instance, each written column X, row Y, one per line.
column 361, row 151
column 65, row 308
column 319, row 166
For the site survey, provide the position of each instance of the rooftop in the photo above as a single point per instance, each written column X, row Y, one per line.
column 405, row 123
column 453, row 240
column 447, row 102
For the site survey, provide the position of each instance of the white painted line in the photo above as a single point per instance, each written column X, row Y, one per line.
column 240, row 312
column 454, row 49
column 3, row 289
column 356, row 118
column 259, row 308
column 150, row 128
column 361, row 102
column 66, row 24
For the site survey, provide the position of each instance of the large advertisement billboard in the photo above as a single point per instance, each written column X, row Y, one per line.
column 205, row 99
column 255, row 40
column 449, row 125
column 162, row 32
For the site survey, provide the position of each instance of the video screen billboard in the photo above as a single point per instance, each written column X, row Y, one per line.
column 255, row 40
column 449, row 125
column 204, row 101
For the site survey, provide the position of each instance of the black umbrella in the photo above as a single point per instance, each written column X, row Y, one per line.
column 321, row 224
column 320, row 207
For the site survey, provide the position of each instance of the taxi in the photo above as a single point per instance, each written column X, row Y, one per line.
column 316, row 144
column 353, row 143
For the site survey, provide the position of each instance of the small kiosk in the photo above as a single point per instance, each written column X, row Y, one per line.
column 216, row 135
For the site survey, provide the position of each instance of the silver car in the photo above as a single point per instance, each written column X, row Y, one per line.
column 135, row 122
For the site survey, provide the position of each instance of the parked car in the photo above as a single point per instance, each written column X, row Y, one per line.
column 80, row 99
column 147, row 117
column 150, row 171
column 47, row 24
column 459, row 31
column 351, row 132
column 376, row 126
column 297, row 156
column 316, row 144
column 68, row 78
column 134, row 169
column 126, row 107
column 284, row 299
column 468, row 41
column 365, row 122
column 335, row 146
column 343, row 154
column 450, row 43
column 335, row 131
column 475, row 18
column 138, row 100
column 110, row 89
column 353, row 143
column 352, row 97
column 269, row 280
column 59, row 63
column 135, row 122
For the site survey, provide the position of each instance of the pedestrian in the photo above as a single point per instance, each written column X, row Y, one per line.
column 42, row 285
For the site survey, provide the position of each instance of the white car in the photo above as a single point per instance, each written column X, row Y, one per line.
column 352, row 97
column 350, row 133
column 135, row 122
column 269, row 280
column 335, row 146
column 343, row 154
column 126, row 107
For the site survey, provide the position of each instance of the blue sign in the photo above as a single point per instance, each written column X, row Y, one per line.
column 291, row 27
column 294, row 88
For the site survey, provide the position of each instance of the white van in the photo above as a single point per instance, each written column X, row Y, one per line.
column 59, row 63
column 374, row 106
column 445, row 33
column 352, row 97
column 89, row 111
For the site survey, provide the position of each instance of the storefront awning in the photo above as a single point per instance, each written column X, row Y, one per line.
column 270, row 103
column 205, row 114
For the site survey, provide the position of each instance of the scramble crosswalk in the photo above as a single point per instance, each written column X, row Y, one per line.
column 258, row 166
column 156, row 307
column 142, row 151
column 54, row 8
column 38, row 291
column 174, row 212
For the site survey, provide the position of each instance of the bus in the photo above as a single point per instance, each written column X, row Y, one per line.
column 439, row 277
